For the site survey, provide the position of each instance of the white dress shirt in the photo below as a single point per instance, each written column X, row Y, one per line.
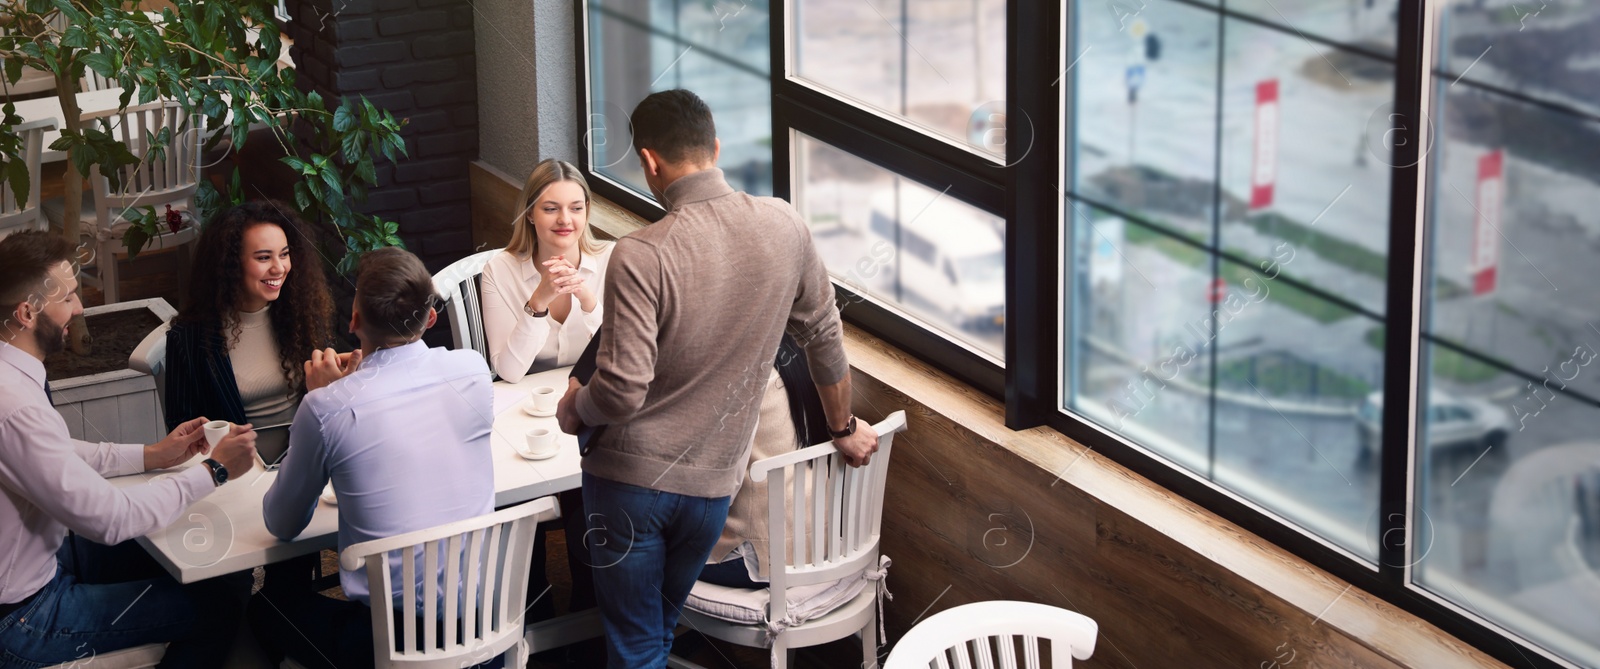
column 518, row 342
column 52, row 483
column 405, row 439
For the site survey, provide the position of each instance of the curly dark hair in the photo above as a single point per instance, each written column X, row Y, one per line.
column 302, row 316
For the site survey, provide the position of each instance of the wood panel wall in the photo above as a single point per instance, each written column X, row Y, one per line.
column 967, row 519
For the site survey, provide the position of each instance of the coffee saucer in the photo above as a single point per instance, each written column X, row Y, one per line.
column 529, row 456
column 527, row 409
column 327, row 494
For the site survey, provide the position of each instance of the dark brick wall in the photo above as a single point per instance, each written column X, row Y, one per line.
column 414, row 58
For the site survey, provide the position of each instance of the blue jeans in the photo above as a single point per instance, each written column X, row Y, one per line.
column 647, row 549
column 107, row 598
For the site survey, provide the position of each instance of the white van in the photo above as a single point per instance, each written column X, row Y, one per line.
column 952, row 256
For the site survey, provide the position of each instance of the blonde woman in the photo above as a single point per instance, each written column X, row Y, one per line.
column 541, row 296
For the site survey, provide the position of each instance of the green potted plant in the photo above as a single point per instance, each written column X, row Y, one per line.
column 219, row 61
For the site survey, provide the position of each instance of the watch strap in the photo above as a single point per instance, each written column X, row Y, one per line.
column 849, row 429
column 219, row 473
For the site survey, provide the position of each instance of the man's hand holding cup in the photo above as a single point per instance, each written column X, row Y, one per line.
column 232, row 445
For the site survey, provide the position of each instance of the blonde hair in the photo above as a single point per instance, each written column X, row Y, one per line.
column 524, row 238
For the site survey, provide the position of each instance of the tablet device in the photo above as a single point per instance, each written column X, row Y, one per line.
column 582, row 370
column 272, row 443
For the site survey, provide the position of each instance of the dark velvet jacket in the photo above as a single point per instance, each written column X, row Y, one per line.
column 200, row 379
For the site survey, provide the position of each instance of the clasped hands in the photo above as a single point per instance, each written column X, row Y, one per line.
column 563, row 279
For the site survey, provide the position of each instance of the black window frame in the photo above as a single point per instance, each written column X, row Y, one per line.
column 1028, row 190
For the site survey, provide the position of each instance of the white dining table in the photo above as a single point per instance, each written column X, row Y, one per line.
column 225, row 531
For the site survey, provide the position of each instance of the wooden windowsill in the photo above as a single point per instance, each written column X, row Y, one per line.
column 612, row 220
column 1386, row 629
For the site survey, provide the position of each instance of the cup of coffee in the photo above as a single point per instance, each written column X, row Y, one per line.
column 215, row 431
column 541, row 444
column 544, row 399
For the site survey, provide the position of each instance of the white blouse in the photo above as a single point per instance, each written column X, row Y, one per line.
column 519, row 343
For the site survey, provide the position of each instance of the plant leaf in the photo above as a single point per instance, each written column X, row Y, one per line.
column 343, row 119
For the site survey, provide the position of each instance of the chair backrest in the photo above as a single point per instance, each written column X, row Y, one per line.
column 458, row 285
column 94, row 82
column 844, row 510
column 17, row 216
column 150, row 357
column 986, row 634
column 484, row 564
column 172, row 178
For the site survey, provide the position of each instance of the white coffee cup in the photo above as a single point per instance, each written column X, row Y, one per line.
column 216, row 430
column 541, row 444
column 544, row 399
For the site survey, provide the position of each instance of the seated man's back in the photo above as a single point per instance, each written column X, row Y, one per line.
column 405, row 440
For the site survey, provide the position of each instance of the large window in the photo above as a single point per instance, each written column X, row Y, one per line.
column 1508, row 468
column 891, row 239
column 1232, row 221
column 937, row 63
column 1200, row 236
column 717, row 49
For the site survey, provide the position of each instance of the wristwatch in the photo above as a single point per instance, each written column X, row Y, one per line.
column 528, row 309
column 849, row 429
column 219, row 473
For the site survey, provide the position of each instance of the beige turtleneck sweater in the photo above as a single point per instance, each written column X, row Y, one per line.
column 263, row 387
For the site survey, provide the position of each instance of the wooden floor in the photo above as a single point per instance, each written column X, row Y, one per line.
column 711, row 654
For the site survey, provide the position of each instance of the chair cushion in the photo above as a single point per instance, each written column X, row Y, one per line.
column 749, row 607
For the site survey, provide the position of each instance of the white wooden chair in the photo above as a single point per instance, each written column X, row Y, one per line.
column 19, row 216
column 985, row 634
column 150, row 357
column 484, row 566
column 845, row 514
column 171, row 181
column 94, row 82
column 458, row 286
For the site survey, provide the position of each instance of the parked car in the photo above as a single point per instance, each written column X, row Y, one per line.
column 1450, row 422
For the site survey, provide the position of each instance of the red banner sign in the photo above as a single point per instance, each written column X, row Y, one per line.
column 1265, row 173
column 1486, row 226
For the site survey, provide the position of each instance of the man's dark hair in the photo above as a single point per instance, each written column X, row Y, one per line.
column 25, row 262
column 676, row 124
column 394, row 292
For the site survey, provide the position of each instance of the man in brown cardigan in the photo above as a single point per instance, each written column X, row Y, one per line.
column 695, row 305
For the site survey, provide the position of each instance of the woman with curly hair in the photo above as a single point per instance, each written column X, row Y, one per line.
column 258, row 306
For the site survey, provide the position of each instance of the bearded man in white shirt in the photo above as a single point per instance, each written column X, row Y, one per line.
column 66, row 598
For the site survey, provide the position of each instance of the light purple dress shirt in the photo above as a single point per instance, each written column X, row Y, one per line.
column 405, row 440
column 53, row 483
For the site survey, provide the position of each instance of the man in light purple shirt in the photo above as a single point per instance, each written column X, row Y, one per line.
column 70, row 598
column 402, row 430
